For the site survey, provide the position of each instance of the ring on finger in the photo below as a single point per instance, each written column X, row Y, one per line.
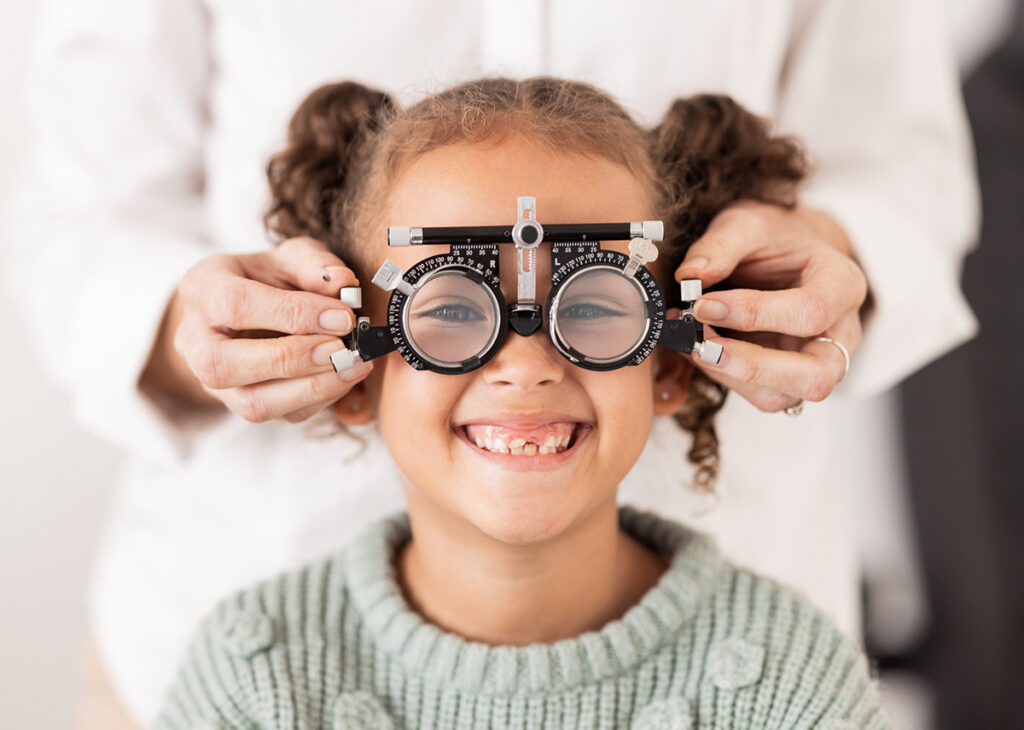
column 846, row 353
column 795, row 409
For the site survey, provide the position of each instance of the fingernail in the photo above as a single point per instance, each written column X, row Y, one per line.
column 361, row 368
column 710, row 310
column 333, row 272
column 697, row 262
column 336, row 320
column 322, row 353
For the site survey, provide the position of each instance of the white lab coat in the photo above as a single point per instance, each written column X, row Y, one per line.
column 152, row 123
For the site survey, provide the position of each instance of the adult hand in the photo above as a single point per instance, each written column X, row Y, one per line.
column 255, row 332
column 795, row 278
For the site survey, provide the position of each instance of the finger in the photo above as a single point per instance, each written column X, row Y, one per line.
column 831, row 288
column 773, row 379
column 729, row 239
column 304, row 414
column 763, row 399
column 223, row 362
column 275, row 399
column 846, row 334
column 243, row 304
column 309, row 265
column 299, row 266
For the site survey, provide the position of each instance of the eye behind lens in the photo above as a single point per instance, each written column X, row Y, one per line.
column 451, row 318
column 600, row 315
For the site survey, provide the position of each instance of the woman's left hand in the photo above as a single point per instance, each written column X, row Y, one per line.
column 794, row 278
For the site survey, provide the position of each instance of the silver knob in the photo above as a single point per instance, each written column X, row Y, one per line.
column 352, row 296
column 690, row 290
column 654, row 230
column 343, row 360
column 399, row 235
column 709, row 351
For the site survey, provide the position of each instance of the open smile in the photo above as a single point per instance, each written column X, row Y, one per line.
column 525, row 449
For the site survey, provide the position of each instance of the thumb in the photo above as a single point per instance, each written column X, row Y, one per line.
column 715, row 255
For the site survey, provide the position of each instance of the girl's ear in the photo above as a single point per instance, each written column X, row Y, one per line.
column 672, row 373
column 355, row 408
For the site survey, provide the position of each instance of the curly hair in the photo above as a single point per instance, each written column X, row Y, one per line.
column 346, row 142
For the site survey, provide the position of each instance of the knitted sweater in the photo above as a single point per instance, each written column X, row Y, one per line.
column 335, row 646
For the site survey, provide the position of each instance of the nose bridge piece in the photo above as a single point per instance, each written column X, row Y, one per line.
column 525, row 315
column 525, row 319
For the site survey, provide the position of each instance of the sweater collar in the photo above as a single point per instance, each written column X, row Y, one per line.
column 614, row 650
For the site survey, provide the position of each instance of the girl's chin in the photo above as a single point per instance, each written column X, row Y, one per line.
column 523, row 522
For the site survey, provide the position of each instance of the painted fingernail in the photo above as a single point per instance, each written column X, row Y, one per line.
column 710, row 310
column 332, row 272
column 322, row 353
column 361, row 368
column 336, row 320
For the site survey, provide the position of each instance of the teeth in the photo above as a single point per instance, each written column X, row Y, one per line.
column 521, row 447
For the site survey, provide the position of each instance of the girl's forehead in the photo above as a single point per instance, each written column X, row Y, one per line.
column 479, row 184
column 467, row 184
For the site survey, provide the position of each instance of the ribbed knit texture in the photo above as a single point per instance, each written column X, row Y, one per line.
column 335, row 646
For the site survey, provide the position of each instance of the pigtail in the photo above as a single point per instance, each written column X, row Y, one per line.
column 709, row 152
column 326, row 138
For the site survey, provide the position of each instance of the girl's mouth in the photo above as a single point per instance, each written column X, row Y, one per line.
column 547, row 442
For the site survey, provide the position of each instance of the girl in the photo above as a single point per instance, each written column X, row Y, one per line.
column 514, row 592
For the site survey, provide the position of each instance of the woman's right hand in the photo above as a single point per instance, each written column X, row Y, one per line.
column 255, row 332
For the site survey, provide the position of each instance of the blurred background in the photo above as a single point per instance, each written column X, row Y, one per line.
column 942, row 535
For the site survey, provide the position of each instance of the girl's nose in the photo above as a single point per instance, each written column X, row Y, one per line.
column 525, row 362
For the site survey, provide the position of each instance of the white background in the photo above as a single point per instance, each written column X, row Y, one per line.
column 54, row 478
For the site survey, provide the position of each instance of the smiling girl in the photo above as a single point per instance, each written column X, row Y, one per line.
column 515, row 592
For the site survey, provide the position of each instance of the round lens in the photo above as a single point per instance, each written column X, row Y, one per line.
column 451, row 318
column 601, row 314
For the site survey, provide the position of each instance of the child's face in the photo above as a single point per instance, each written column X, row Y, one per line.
column 527, row 390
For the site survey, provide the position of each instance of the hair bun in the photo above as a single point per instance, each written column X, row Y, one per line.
column 711, row 152
column 325, row 136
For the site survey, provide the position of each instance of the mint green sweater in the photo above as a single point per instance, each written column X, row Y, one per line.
column 335, row 646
